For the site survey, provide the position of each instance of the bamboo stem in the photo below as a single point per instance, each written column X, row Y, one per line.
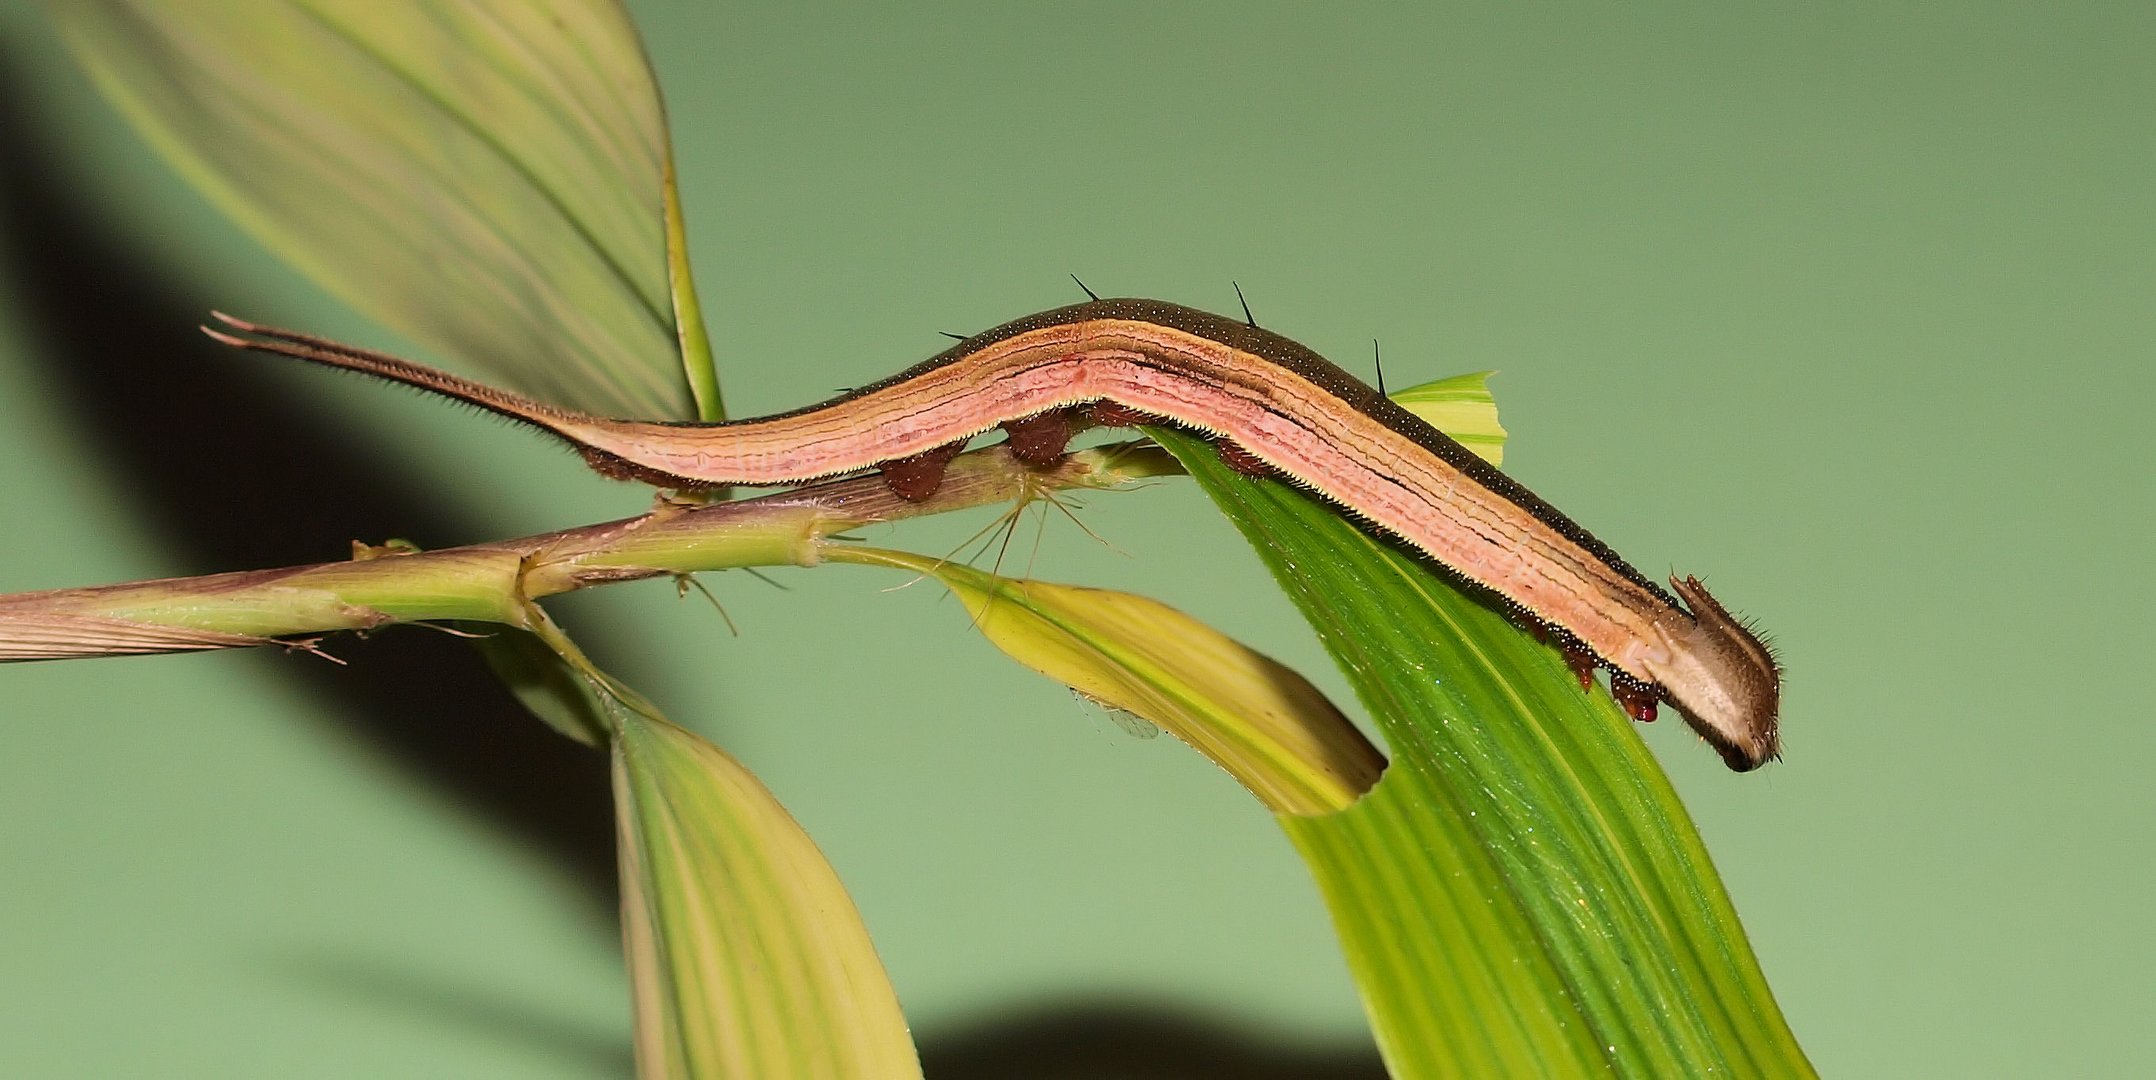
column 493, row 582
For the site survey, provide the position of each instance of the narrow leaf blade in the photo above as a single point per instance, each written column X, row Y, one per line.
column 1462, row 407
column 1456, row 986
column 1600, row 874
column 1258, row 720
column 746, row 956
column 489, row 178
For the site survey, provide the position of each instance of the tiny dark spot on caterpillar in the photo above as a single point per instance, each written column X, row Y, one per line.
column 1235, row 456
column 1040, row 440
column 917, row 477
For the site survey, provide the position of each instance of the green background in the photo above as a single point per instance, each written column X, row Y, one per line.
column 1848, row 310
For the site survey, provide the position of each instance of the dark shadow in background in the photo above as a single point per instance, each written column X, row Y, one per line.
column 229, row 473
column 1122, row 1041
column 1076, row 1041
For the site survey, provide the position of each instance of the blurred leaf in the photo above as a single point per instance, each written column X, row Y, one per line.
column 695, row 339
column 489, row 177
column 542, row 681
column 746, row 956
column 1522, row 894
column 1461, row 407
column 1263, row 723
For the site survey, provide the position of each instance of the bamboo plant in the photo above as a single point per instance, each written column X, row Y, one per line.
column 1515, row 886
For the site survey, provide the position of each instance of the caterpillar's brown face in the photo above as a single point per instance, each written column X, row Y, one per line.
column 1722, row 679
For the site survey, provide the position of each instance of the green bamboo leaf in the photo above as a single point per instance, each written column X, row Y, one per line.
column 1463, row 408
column 746, row 956
column 491, row 178
column 1522, row 894
column 1261, row 722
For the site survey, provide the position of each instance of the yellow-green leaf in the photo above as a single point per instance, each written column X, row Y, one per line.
column 1461, row 407
column 747, row 958
column 1263, row 723
column 488, row 177
column 746, row 955
column 1522, row 894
